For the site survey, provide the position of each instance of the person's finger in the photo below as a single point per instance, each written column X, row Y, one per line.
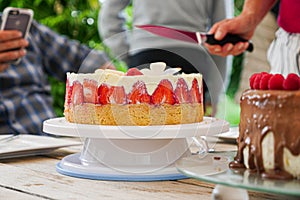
column 240, row 48
column 215, row 50
column 236, row 49
column 213, row 29
column 13, row 44
column 228, row 47
column 220, row 33
column 11, row 55
column 220, row 29
column 6, row 35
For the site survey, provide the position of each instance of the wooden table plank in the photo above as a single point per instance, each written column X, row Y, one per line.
column 9, row 193
column 53, row 185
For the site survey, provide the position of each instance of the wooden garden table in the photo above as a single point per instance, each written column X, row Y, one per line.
column 36, row 177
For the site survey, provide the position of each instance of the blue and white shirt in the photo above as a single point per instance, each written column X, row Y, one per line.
column 25, row 99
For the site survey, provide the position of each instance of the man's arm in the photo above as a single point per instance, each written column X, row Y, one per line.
column 257, row 9
column 243, row 25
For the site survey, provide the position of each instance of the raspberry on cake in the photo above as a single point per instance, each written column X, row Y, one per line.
column 139, row 97
column 269, row 139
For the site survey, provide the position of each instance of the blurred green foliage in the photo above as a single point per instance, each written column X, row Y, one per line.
column 235, row 76
column 238, row 6
column 73, row 18
column 78, row 20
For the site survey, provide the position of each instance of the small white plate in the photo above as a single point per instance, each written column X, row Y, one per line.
column 230, row 136
column 30, row 145
column 71, row 165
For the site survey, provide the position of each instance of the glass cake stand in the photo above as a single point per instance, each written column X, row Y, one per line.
column 214, row 169
column 130, row 153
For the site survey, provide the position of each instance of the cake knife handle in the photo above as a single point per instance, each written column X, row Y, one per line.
column 229, row 38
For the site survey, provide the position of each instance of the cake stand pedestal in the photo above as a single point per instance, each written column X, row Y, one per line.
column 130, row 153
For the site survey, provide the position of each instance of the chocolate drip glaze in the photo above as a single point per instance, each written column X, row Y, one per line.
column 264, row 111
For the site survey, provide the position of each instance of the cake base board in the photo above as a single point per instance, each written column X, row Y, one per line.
column 72, row 166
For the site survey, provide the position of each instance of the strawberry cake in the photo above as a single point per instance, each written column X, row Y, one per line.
column 269, row 138
column 144, row 97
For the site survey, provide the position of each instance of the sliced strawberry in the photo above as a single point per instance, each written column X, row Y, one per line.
column 118, row 95
column 133, row 72
column 195, row 94
column 68, row 95
column 264, row 81
column 138, row 94
column 145, row 97
column 90, row 88
column 163, row 93
column 104, row 93
column 77, row 93
column 181, row 91
column 276, row 82
column 291, row 82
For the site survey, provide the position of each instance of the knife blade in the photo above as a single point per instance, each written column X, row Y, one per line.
column 193, row 37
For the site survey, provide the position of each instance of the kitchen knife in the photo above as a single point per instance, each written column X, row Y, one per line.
column 194, row 37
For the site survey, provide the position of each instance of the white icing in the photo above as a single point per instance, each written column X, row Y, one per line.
column 158, row 69
column 151, row 78
column 172, row 70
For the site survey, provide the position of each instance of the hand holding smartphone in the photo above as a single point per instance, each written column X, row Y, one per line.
column 17, row 19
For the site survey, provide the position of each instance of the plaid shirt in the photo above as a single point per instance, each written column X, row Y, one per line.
column 25, row 99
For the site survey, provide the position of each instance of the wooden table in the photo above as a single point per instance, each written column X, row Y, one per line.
column 36, row 178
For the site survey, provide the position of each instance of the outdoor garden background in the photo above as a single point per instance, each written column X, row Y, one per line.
column 78, row 20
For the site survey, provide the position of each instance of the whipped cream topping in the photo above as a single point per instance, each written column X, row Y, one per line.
column 151, row 77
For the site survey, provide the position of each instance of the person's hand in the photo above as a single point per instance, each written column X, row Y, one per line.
column 108, row 65
column 11, row 47
column 241, row 25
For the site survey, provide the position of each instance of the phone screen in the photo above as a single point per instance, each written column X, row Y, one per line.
column 17, row 21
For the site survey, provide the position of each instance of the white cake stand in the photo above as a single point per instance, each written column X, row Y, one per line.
column 130, row 153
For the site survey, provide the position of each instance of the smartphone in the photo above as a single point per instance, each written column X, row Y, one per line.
column 17, row 19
